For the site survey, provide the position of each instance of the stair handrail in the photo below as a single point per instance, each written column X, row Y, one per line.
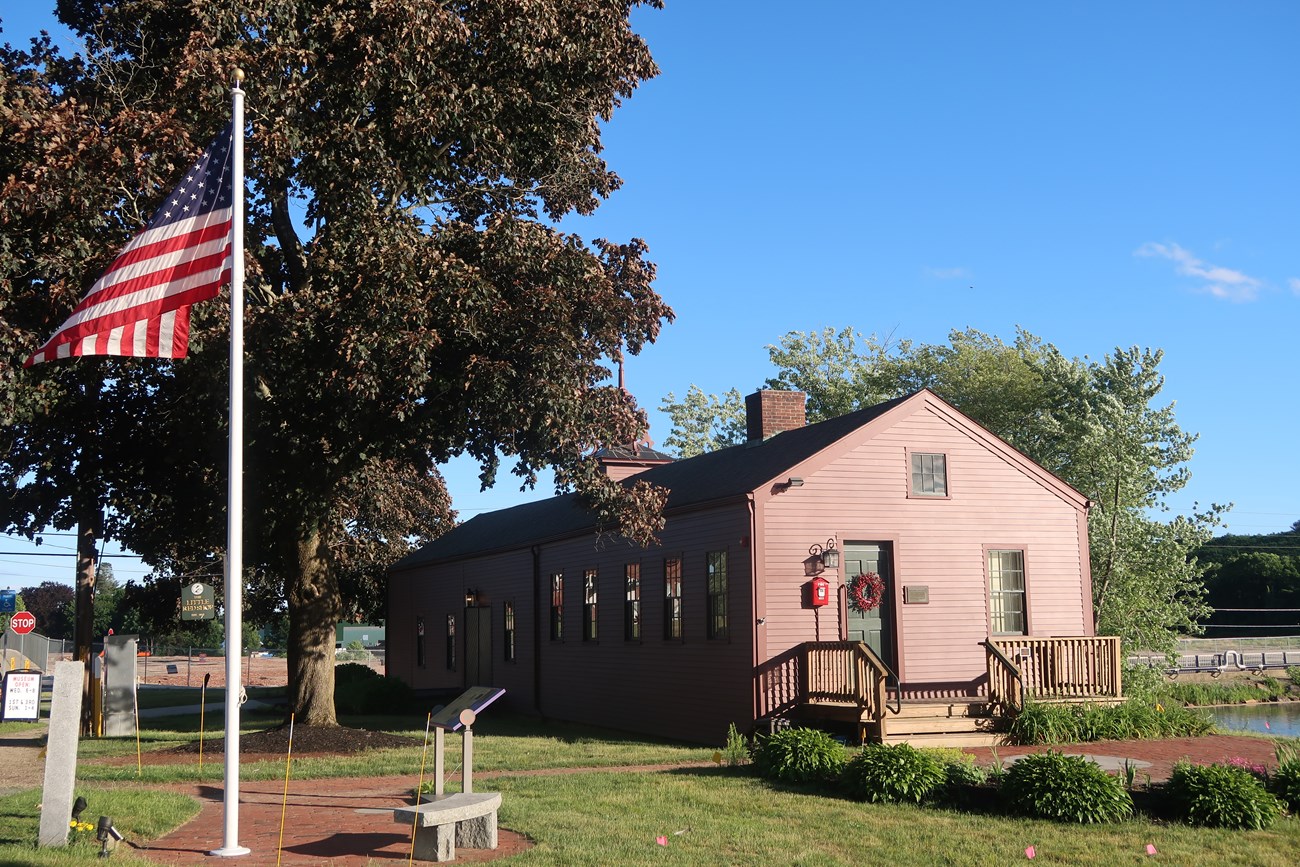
column 1006, row 683
column 884, row 674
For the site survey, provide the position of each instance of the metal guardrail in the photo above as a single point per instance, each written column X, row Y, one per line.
column 1215, row 664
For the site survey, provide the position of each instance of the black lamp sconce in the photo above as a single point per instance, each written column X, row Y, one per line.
column 829, row 555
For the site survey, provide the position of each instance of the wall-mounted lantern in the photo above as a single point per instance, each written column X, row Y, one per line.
column 828, row 555
column 471, row 597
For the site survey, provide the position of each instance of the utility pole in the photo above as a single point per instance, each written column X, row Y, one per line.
column 84, row 627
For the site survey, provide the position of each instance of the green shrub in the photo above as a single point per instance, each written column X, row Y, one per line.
column 893, row 773
column 959, row 766
column 1065, row 788
column 1206, row 694
column 1065, row 724
column 1221, row 797
column 359, row 694
column 798, row 756
column 1285, row 783
column 1293, row 674
column 736, row 752
column 353, row 672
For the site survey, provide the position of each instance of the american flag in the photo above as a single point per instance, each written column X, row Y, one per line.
column 140, row 307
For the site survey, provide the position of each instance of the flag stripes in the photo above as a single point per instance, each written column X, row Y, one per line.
column 139, row 307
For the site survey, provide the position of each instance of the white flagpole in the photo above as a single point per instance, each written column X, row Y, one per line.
column 235, row 498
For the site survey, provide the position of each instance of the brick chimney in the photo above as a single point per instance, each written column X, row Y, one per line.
column 767, row 413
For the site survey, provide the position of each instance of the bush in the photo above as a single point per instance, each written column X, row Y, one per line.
column 353, row 672
column 959, row 767
column 736, row 752
column 370, row 693
column 1136, row 718
column 1065, row 788
column 1293, row 674
column 798, row 756
column 1221, row 796
column 1285, row 783
column 893, row 773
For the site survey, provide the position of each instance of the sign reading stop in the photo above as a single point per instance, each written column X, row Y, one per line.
column 22, row 623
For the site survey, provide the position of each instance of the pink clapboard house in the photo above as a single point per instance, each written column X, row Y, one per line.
column 952, row 573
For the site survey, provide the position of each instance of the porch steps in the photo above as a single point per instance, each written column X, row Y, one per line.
column 944, row 723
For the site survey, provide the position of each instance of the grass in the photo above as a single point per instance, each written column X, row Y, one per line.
column 1208, row 694
column 728, row 818
column 504, row 742
column 184, row 696
column 139, row 814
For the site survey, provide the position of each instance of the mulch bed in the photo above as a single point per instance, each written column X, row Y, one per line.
column 307, row 739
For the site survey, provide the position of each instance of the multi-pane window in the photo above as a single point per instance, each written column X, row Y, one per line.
column 632, row 602
column 673, row 599
column 557, row 606
column 508, row 630
column 451, row 642
column 1007, row 592
column 716, row 601
column 589, row 605
column 929, row 474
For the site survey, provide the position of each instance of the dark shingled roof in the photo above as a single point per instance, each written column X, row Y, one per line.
column 720, row 475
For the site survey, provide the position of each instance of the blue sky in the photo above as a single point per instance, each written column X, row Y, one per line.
column 1102, row 174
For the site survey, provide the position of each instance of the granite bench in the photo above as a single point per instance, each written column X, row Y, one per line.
column 459, row 819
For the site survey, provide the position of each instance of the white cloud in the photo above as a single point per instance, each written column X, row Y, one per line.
column 1294, row 283
column 1220, row 282
column 947, row 273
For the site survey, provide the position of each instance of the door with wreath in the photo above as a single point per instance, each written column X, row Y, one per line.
column 868, row 570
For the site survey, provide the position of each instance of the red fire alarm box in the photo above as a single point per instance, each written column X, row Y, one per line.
column 819, row 592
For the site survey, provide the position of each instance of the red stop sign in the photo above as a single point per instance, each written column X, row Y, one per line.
column 22, row 623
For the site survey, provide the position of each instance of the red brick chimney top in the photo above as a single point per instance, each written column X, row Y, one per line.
column 767, row 413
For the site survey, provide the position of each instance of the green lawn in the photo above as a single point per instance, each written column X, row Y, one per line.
column 139, row 814
column 726, row 818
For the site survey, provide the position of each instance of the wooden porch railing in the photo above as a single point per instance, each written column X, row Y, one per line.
column 1006, row 687
column 847, row 672
column 1053, row 669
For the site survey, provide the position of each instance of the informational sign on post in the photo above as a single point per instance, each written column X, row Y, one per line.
column 8, row 602
column 473, row 699
column 198, row 602
column 22, row 695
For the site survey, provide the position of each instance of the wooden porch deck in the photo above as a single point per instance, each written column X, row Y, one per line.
column 845, row 680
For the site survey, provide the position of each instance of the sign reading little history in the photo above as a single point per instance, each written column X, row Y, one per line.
column 198, row 602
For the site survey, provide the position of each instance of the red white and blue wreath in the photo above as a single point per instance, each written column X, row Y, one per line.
column 866, row 592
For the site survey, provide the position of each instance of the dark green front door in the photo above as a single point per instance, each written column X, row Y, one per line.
column 875, row 626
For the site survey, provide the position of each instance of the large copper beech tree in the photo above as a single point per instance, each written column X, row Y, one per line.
column 410, row 298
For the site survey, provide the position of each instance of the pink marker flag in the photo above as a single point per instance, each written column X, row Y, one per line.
column 1151, row 848
column 661, row 840
column 1030, row 853
column 140, row 306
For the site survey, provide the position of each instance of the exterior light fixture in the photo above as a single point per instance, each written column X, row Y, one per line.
column 471, row 597
column 794, row 482
column 829, row 555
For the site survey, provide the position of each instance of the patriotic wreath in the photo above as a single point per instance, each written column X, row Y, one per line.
column 866, row 592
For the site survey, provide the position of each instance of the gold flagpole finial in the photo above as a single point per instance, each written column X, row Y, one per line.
column 238, row 75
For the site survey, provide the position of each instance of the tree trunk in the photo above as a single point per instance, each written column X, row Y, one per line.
column 314, row 606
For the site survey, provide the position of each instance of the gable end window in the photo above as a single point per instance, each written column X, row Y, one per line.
column 929, row 474
column 1007, row 592
column 557, row 606
column 673, row 599
column 716, row 600
column 589, row 605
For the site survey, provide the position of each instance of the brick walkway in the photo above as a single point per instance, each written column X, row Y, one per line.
column 1161, row 754
column 348, row 822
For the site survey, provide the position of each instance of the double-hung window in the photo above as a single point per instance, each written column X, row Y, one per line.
column 557, row 606
column 589, row 605
column 1007, row 591
column 632, row 602
column 716, row 601
column 673, row 599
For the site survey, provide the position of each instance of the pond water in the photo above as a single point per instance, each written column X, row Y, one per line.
column 1269, row 718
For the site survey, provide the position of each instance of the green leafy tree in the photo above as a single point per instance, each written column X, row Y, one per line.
column 49, row 602
column 1097, row 424
column 704, row 422
column 410, row 297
